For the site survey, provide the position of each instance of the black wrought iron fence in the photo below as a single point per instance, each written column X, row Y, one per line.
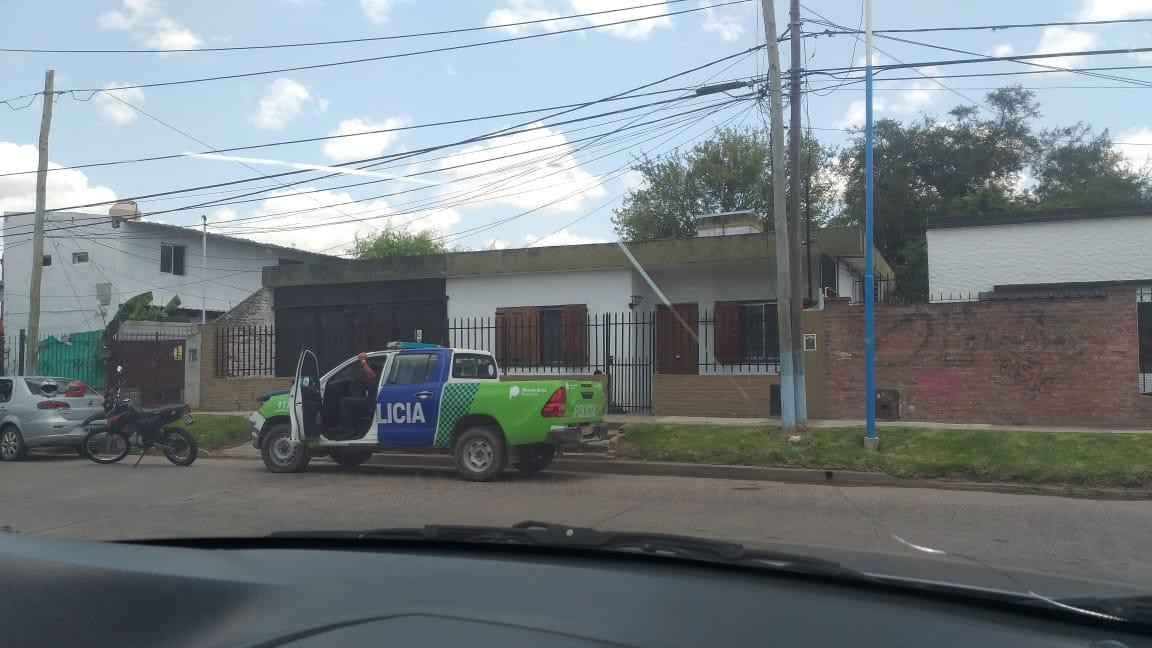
column 244, row 351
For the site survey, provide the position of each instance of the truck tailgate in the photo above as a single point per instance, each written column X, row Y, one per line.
column 585, row 402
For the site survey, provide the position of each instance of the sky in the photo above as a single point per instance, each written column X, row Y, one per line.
column 567, row 178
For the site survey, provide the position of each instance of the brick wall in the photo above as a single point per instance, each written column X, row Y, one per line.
column 255, row 310
column 1065, row 361
column 718, row 395
column 229, row 394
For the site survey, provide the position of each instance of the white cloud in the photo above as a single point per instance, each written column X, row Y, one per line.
column 1064, row 39
column 496, row 244
column 633, row 180
column 1003, row 49
column 64, row 188
column 1115, row 9
column 526, row 10
column 450, row 70
column 345, row 149
column 379, row 11
column 556, row 179
column 115, row 112
column 282, row 102
column 726, row 24
column 562, row 237
column 916, row 97
column 322, row 105
column 343, row 219
column 1136, row 145
column 149, row 25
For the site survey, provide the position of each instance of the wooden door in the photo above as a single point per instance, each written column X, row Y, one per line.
column 677, row 345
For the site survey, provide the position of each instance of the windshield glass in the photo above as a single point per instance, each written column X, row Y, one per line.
column 641, row 265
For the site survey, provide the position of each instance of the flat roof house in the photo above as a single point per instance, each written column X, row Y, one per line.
column 698, row 307
column 1049, row 252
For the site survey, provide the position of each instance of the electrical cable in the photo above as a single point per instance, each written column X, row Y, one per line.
column 342, row 41
column 449, row 48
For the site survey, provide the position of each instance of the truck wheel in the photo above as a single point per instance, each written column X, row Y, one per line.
column 280, row 454
column 535, row 457
column 349, row 458
column 480, row 454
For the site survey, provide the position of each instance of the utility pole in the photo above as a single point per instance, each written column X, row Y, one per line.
column 33, row 347
column 780, row 221
column 794, row 259
column 204, row 269
column 871, row 441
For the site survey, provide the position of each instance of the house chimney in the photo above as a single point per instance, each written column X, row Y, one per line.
column 122, row 211
column 728, row 223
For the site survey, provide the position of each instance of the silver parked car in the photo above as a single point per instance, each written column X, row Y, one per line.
column 41, row 411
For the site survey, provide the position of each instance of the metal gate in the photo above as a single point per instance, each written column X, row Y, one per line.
column 153, row 366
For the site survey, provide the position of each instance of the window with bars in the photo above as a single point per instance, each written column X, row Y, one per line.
column 746, row 332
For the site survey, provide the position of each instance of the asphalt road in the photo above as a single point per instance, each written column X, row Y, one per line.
column 73, row 498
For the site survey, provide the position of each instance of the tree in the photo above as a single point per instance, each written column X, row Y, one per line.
column 396, row 242
column 927, row 168
column 730, row 171
column 1076, row 168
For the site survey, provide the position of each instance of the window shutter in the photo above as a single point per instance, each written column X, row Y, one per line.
column 575, row 323
column 518, row 336
column 726, row 332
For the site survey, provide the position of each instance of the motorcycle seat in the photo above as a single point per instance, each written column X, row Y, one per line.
column 163, row 410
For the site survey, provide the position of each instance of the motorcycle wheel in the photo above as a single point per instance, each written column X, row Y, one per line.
column 105, row 447
column 179, row 446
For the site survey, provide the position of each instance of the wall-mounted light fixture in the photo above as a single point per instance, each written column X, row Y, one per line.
column 636, row 299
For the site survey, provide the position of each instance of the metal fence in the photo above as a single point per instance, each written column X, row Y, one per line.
column 243, row 351
column 1144, row 332
column 627, row 348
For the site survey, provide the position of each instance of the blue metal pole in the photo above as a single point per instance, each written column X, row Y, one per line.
column 869, row 272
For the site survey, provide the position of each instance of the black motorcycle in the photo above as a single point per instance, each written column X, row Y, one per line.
column 124, row 427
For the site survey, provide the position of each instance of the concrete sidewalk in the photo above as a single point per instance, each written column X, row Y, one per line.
column 631, row 419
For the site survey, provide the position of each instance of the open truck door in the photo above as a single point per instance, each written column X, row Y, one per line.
column 306, row 399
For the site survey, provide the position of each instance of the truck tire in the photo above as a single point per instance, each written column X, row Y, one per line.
column 349, row 458
column 534, row 457
column 480, row 454
column 280, row 455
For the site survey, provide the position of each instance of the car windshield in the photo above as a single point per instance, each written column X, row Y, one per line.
column 865, row 284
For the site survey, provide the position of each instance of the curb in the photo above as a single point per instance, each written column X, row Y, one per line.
column 812, row 476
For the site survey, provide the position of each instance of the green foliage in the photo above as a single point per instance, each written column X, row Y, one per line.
column 396, row 242
column 730, row 171
column 1072, row 458
column 1078, row 167
column 214, row 431
column 140, row 309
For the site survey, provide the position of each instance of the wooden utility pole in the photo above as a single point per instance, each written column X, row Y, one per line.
column 33, row 348
column 794, row 226
column 780, row 222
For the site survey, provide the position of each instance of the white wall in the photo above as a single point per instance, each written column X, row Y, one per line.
column 974, row 259
column 129, row 259
column 604, row 291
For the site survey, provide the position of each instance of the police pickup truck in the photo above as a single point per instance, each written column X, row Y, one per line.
column 424, row 397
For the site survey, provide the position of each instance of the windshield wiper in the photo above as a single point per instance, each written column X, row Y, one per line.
column 546, row 534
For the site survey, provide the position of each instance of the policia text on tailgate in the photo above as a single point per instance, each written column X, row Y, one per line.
column 420, row 396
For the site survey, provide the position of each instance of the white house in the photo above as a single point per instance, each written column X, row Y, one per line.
column 1030, row 253
column 970, row 255
column 689, row 308
column 92, row 264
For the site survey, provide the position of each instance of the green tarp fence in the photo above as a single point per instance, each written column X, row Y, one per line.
column 79, row 356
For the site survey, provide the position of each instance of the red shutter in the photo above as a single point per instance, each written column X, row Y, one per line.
column 575, row 325
column 726, row 332
column 518, row 336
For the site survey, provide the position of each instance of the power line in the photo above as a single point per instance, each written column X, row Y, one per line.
column 983, row 59
column 449, row 48
column 324, row 138
column 918, row 30
column 499, row 133
column 860, row 79
column 100, row 218
column 343, row 41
